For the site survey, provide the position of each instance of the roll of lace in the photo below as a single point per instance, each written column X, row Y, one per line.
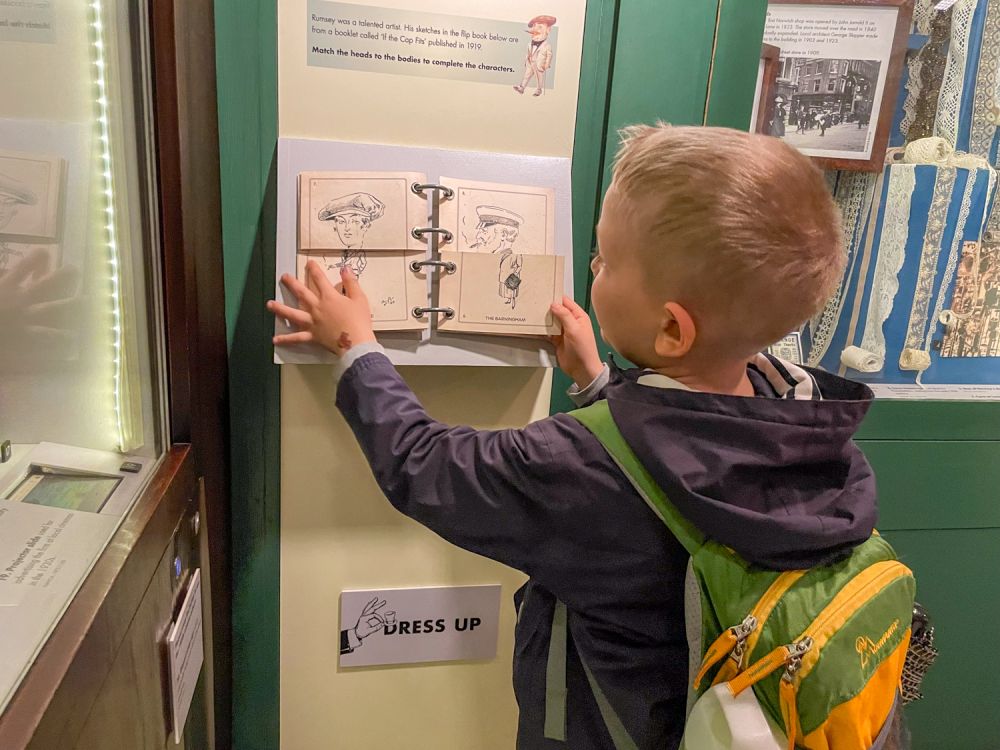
column 948, row 319
column 916, row 360
column 967, row 161
column 858, row 359
column 933, row 150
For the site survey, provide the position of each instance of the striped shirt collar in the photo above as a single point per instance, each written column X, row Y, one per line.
column 788, row 380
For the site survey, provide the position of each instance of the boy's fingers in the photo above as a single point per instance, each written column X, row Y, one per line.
column 302, row 293
column 570, row 304
column 563, row 315
column 352, row 288
column 318, row 280
column 300, row 337
column 291, row 314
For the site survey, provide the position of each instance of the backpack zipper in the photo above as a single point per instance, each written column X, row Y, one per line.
column 876, row 576
column 800, row 657
column 740, row 640
column 731, row 641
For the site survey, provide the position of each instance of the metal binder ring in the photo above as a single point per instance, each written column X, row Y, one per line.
column 419, row 312
column 419, row 189
column 447, row 265
column 419, row 232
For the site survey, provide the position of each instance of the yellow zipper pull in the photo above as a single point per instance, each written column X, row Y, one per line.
column 787, row 690
column 789, row 710
column 731, row 642
column 789, row 656
column 770, row 663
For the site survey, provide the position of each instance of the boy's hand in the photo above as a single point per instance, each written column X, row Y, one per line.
column 576, row 347
column 336, row 318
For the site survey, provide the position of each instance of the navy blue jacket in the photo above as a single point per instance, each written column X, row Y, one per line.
column 779, row 480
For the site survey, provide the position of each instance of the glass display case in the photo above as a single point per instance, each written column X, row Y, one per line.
column 917, row 312
column 83, row 417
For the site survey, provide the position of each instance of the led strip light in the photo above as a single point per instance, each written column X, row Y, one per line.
column 111, row 232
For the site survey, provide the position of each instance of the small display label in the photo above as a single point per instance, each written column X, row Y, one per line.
column 433, row 45
column 407, row 626
column 186, row 654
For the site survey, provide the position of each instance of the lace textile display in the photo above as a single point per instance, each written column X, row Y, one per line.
column 918, row 308
column 905, row 232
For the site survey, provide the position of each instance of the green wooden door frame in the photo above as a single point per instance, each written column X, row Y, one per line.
column 246, row 39
column 738, row 35
column 246, row 58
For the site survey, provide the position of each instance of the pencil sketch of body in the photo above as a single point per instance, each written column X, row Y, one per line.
column 539, row 57
column 496, row 232
column 352, row 216
column 13, row 195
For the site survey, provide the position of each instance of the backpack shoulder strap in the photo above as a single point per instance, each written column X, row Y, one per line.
column 597, row 418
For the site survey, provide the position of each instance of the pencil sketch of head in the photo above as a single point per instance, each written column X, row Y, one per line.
column 13, row 195
column 497, row 229
column 352, row 216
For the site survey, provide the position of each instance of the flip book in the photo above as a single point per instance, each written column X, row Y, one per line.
column 478, row 256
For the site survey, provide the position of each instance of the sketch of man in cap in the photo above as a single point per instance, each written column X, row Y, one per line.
column 539, row 58
column 13, row 195
column 497, row 230
column 352, row 216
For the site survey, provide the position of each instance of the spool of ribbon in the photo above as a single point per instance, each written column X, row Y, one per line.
column 914, row 359
column 948, row 319
column 861, row 360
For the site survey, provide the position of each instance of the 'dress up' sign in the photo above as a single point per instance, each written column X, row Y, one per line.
column 408, row 626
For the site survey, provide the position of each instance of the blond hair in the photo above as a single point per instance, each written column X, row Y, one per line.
column 738, row 225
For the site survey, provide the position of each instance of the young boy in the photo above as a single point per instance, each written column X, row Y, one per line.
column 713, row 245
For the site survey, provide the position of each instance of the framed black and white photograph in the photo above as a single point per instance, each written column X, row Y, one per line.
column 838, row 76
column 766, row 101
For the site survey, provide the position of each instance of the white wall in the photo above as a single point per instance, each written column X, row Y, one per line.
column 338, row 532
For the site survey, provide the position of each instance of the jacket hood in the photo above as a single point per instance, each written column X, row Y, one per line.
column 778, row 478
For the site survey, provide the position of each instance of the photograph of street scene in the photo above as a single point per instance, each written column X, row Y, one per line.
column 823, row 104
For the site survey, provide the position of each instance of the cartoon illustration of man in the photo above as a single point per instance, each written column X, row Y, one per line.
column 510, row 277
column 496, row 230
column 496, row 233
column 352, row 216
column 539, row 58
column 370, row 621
column 13, row 195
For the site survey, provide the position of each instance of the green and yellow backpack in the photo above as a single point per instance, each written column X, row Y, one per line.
column 822, row 649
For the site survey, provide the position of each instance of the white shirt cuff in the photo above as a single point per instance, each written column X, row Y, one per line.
column 352, row 639
column 583, row 396
column 352, row 355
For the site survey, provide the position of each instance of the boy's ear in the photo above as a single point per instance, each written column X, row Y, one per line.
column 677, row 332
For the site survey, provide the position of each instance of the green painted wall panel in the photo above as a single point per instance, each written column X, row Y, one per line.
column 662, row 58
column 932, row 420
column 588, row 155
column 663, row 50
column 934, row 485
column 734, row 70
column 957, row 583
column 246, row 39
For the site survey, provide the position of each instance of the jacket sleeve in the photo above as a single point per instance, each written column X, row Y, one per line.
column 496, row 493
column 546, row 60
